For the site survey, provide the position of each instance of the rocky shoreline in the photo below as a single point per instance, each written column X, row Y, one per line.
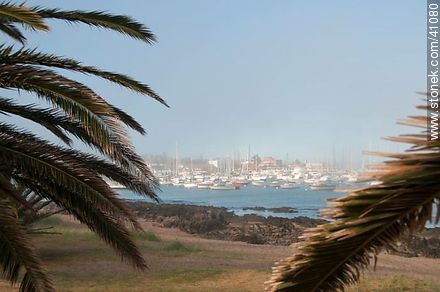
column 219, row 223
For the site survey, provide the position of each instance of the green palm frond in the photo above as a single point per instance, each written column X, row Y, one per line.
column 111, row 229
column 16, row 254
column 72, row 180
column 8, row 191
column 55, row 121
column 23, row 15
column 105, row 131
column 49, row 118
column 40, row 159
column 57, row 89
column 12, row 31
column 366, row 221
column 120, row 23
column 41, row 149
column 38, row 209
column 32, row 57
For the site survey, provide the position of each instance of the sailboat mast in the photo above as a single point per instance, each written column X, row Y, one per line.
column 177, row 168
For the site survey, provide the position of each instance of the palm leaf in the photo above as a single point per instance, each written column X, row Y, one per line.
column 12, row 31
column 119, row 23
column 71, row 179
column 39, row 159
column 6, row 187
column 32, row 57
column 80, row 102
column 49, row 118
column 366, row 222
column 22, row 15
column 16, row 253
column 87, row 163
column 109, row 228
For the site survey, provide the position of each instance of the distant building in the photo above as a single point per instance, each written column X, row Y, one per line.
column 314, row 166
column 213, row 163
column 248, row 165
column 269, row 162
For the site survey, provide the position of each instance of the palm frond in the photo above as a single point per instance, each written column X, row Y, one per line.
column 111, row 229
column 49, row 118
column 366, row 222
column 12, row 31
column 8, row 190
column 40, row 159
column 40, row 208
column 49, row 173
column 56, row 88
column 16, row 254
column 120, row 23
column 32, row 57
column 91, row 163
column 80, row 102
column 22, row 15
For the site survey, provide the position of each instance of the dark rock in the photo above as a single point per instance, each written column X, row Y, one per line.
column 219, row 223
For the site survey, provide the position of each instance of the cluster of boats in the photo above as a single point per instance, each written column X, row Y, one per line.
column 282, row 179
column 314, row 181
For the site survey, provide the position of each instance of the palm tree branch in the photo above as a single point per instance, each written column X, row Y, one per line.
column 108, row 228
column 23, row 15
column 120, row 23
column 32, row 57
column 366, row 221
column 91, row 110
column 368, row 241
column 49, row 118
column 17, row 253
column 8, row 189
column 45, row 160
column 38, row 80
column 12, row 31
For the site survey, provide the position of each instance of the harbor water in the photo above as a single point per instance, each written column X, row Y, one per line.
column 247, row 199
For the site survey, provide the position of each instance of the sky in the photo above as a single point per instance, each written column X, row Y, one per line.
column 286, row 77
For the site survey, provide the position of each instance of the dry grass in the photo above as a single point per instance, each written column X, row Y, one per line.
column 79, row 261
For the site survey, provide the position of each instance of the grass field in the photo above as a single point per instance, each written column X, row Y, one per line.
column 78, row 261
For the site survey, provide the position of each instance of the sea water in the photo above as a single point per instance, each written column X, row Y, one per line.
column 305, row 202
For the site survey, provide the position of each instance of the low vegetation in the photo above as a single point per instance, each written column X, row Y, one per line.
column 78, row 261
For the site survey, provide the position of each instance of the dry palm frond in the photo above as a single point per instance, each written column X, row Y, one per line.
column 367, row 221
column 28, row 17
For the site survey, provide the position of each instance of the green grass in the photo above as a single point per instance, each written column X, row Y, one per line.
column 79, row 261
column 395, row 283
column 160, row 280
column 180, row 276
column 51, row 221
column 146, row 235
column 177, row 246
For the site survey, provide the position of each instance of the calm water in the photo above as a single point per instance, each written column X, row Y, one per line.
column 306, row 202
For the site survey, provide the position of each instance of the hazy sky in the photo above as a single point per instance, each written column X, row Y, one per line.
column 295, row 77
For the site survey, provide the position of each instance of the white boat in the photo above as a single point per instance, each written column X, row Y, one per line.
column 222, row 187
column 190, row 185
column 322, row 186
column 289, row 186
column 276, row 184
column 204, row 185
column 259, row 183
